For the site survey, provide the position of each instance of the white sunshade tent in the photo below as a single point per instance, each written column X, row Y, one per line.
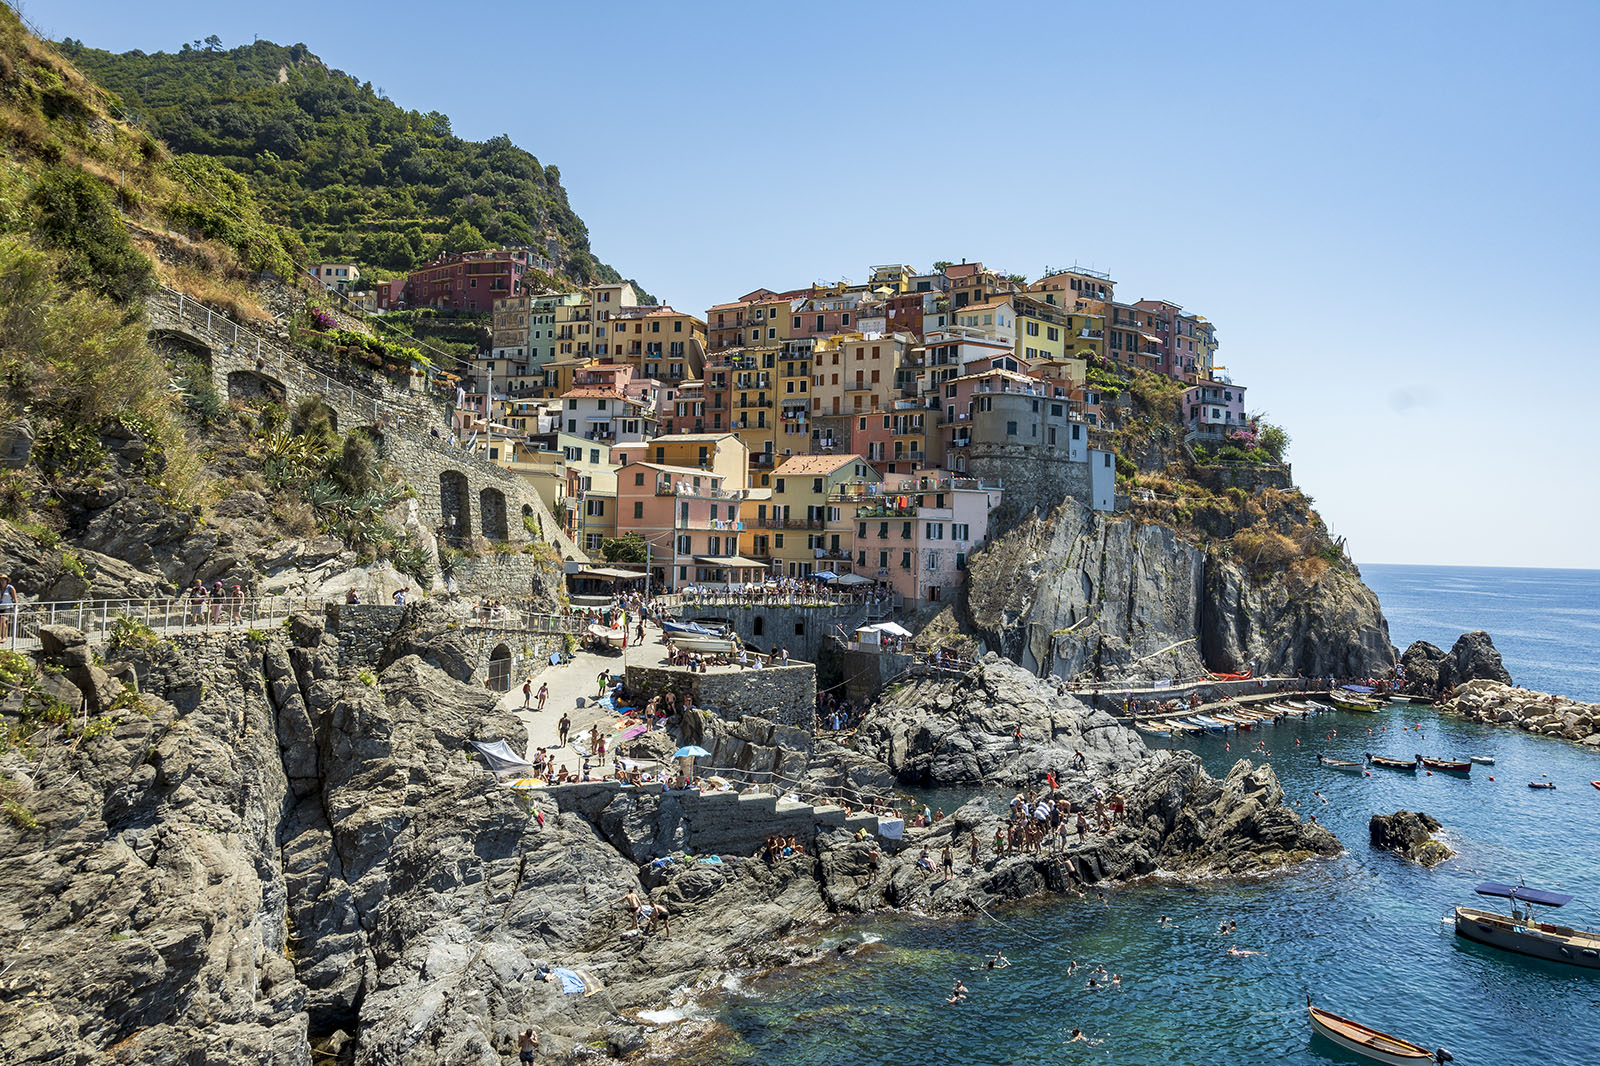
column 894, row 629
column 852, row 579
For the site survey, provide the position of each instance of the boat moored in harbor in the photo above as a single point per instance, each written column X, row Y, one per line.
column 1370, row 1043
column 1408, row 765
column 1522, row 932
column 1341, row 764
column 1449, row 766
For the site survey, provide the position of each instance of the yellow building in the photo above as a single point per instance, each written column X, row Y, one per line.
column 724, row 454
column 797, row 530
column 661, row 343
column 591, row 490
column 1041, row 328
column 606, row 302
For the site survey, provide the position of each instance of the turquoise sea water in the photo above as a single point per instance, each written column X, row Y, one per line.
column 1361, row 932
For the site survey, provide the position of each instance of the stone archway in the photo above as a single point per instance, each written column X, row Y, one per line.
column 455, row 507
column 176, row 345
column 492, row 515
column 500, row 668
column 252, row 389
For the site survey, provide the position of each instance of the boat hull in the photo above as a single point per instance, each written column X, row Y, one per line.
column 1541, row 940
column 1445, row 766
column 705, row 645
column 1350, row 1036
column 1393, row 764
column 1355, row 705
column 1347, row 767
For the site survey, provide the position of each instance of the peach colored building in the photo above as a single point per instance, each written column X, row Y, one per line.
column 691, row 519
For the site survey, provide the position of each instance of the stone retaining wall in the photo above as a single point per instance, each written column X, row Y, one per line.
column 401, row 421
column 714, row 823
column 786, row 694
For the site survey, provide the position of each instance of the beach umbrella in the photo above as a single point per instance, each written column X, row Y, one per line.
column 687, row 753
column 525, row 782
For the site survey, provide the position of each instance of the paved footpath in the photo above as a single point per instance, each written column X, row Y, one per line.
column 575, row 682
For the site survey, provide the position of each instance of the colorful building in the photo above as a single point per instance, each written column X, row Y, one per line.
column 691, row 520
column 799, row 531
column 915, row 534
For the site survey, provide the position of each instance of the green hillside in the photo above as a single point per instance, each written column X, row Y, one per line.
column 355, row 176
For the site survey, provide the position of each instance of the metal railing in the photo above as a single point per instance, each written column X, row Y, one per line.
column 98, row 619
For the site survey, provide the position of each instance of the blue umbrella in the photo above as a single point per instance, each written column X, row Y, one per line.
column 825, row 575
column 689, row 751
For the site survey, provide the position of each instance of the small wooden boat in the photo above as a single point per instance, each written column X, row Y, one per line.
column 1369, row 1042
column 1408, row 765
column 1152, row 730
column 1341, row 764
column 1206, row 725
column 1449, row 766
column 1522, row 932
column 1487, row 760
column 1541, row 784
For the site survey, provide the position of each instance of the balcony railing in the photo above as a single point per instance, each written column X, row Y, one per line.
column 770, row 522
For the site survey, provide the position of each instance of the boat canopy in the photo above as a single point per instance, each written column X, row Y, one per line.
column 1524, row 893
column 1365, row 689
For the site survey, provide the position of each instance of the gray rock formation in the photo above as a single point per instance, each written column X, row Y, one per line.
column 1431, row 671
column 1409, row 834
column 270, row 856
column 1535, row 712
column 1077, row 593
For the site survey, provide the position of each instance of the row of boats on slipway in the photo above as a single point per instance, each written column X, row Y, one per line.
column 1240, row 719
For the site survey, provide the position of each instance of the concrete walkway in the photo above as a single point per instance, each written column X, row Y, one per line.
column 574, row 683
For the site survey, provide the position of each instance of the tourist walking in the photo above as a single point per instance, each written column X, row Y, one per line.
column 562, row 727
column 8, row 606
column 527, row 693
column 544, row 694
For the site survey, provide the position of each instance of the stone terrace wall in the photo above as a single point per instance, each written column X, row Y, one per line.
column 785, row 694
column 402, row 421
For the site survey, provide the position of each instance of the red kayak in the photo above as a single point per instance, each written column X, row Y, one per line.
column 1596, row 784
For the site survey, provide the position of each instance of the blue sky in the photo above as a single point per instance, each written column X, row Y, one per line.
column 1387, row 209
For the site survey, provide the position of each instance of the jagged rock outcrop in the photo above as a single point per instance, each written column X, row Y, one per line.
column 1536, row 712
column 1431, row 671
column 1002, row 725
column 1409, row 834
column 1077, row 592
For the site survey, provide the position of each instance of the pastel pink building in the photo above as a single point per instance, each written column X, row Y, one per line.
column 691, row 520
column 915, row 533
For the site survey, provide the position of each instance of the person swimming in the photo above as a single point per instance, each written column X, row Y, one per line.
column 1240, row 952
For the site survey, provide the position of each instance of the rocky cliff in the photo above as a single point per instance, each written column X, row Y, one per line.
column 265, row 855
column 1078, row 593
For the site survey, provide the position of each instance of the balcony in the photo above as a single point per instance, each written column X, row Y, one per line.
column 860, row 386
column 771, row 522
column 687, row 490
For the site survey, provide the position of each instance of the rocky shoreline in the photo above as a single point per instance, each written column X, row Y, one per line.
column 1543, row 713
column 274, row 853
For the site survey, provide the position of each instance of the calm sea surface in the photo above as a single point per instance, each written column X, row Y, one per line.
column 1362, row 932
column 1546, row 623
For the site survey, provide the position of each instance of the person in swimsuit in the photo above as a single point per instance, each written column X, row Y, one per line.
column 527, row 1045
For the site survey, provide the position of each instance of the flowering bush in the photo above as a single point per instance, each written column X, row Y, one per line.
column 322, row 319
column 1244, row 438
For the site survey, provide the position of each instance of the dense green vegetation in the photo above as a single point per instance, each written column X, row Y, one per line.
column 355, row 176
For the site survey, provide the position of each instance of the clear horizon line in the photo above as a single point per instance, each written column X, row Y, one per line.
column 1489, row 566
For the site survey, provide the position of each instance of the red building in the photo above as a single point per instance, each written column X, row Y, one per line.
column 471, row 281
